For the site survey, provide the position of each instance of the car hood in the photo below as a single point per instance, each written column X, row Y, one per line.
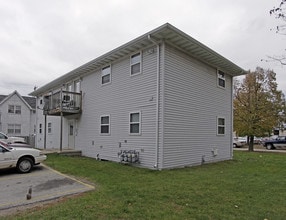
column 24, row 149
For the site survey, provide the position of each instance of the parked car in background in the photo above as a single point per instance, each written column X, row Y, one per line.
column 277, row 143
column 21, row 158
column 9, row 140
column 239, row 142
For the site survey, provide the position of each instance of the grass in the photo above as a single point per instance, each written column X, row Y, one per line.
column 251, row 186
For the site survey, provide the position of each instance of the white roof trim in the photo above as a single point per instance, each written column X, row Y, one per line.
column 166, row 32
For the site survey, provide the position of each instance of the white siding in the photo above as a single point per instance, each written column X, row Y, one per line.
column 192, row 102
column 53, row 138
column 123, row 95
column 8, row 118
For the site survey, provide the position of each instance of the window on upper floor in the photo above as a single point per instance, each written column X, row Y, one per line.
column 18, row 109
column 135, row 123
column 11, row 109
column 106, row 75
column 135, row 64
column 14, row 109
column 220, row 79
column 220, row 126
column 105, row 124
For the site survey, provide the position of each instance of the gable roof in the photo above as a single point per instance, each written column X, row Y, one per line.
column 29, row 101
column 167, row 33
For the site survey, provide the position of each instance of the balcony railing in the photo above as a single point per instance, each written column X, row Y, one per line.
column 63, row 102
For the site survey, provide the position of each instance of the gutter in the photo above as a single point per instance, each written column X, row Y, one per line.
column 157, row 101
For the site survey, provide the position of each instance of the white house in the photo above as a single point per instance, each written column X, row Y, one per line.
column 162, row 100
column 18, row 115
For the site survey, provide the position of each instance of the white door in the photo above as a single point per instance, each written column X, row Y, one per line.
column 71, row 134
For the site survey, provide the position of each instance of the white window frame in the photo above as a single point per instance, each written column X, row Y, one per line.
column 50, row 127
column 102, row 116
column 135, row 63
column 40, row 128
column 17, row 128
column 220, row 126
column 18, row 109
column 103, row 74
column 10, row 129
column 11, row 109
column 132, row 123
column 14, row 129
column 220, row 76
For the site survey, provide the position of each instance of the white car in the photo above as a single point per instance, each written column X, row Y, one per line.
column 239, row 142
column 22, row 158
column 9, row 140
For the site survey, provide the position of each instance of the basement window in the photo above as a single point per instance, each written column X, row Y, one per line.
column 220, row 79
column 106, row 75
column 105, row 124
column 135, row 64
column 220, row 126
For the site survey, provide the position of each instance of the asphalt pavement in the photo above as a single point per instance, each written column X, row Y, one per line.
column 42, row 184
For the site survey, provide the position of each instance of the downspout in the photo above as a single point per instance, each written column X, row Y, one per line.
column 157, row 101
column 231, row 121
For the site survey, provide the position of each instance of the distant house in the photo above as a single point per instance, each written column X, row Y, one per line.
column 162, row 100
column 18, row 115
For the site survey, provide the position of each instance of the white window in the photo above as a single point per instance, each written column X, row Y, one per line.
column 135, row 123
column 220, row 126
column 106, row 75
column 18, row 109
column 49, row 128
column 14, row 129
column 10, row 129
column 40, row 128
column 220, row 79
column 135, row 64
column 11, row 109
column 105, row 124
column 17, row 129
column 14, row 109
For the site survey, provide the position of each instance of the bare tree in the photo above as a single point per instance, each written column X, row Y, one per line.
column 279, row 13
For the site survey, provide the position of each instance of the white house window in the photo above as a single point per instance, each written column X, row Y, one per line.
column 17, row 129
column 105, row 124
column 11, row 109
column 135, row 121
column 220, row 126
column 10, row 129
column 49, row 128
column 135, row 64
column 221, row 79
column 14, row 109
column 14, row 129
column 40, row 128
column 18, row 109
column 106, row 75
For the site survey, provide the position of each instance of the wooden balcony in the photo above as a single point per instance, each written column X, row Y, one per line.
column 63, row 103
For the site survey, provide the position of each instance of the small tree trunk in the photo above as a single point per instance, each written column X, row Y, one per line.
column 250, row 144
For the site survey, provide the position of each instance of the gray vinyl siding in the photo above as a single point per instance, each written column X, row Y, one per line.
column 123, row 95
column 192, row 102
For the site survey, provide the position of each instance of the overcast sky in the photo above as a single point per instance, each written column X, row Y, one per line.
column 41, row 40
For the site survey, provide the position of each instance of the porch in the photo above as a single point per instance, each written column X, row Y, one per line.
column 63, row 103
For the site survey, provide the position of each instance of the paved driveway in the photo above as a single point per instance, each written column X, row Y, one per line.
column 44, row 183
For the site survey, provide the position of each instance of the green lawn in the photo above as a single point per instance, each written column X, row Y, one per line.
column 251, row 186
